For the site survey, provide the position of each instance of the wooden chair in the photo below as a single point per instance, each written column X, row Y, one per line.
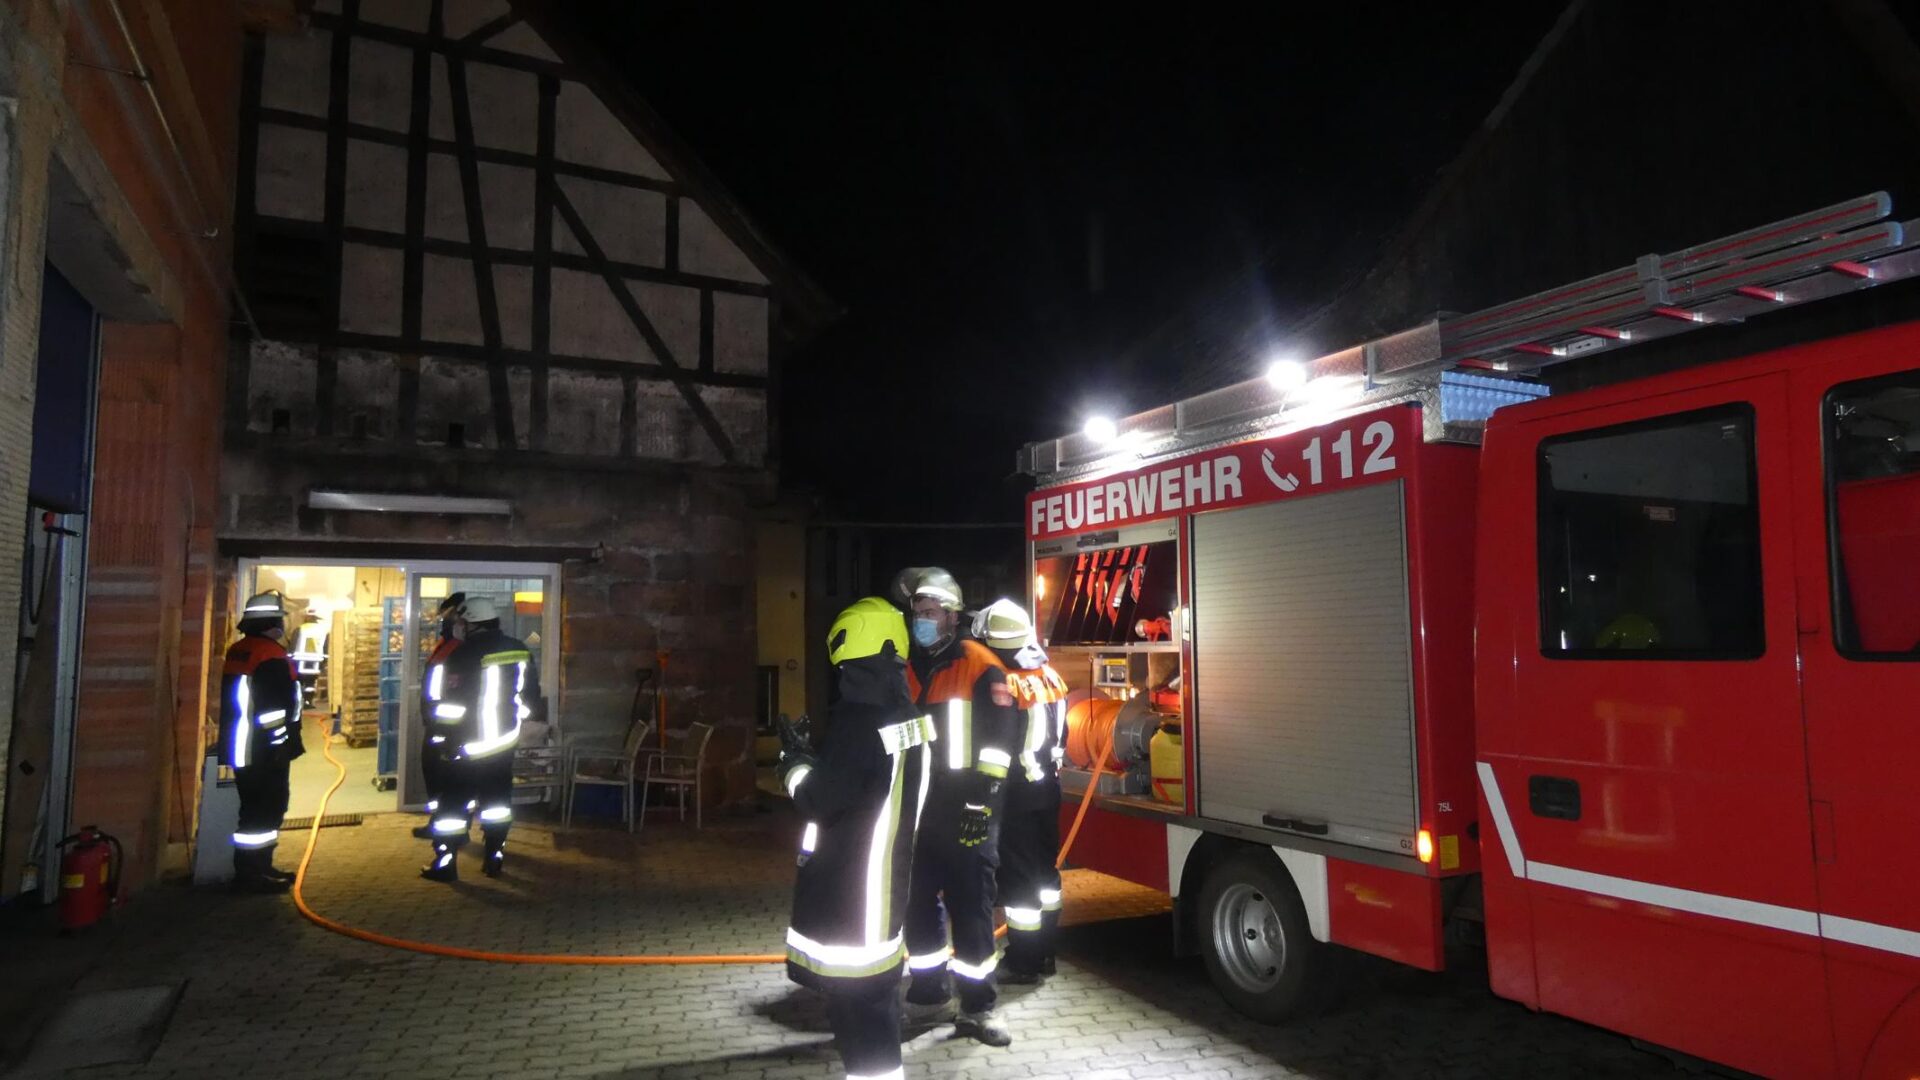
column 680, row 769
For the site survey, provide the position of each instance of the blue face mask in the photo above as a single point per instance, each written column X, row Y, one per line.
column 926, row 632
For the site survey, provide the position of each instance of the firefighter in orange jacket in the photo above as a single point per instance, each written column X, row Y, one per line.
column 259, row 738
column 962, row 686
column 433, row 689
column 1029, row 882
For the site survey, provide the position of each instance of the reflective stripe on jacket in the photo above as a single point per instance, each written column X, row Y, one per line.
column 259, row 705
column 965, row 693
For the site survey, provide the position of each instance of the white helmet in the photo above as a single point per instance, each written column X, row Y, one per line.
column 266, row 605
column 479, row 609
column 1003, row 624
column 934, row 583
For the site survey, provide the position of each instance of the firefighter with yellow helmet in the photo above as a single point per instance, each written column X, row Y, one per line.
column 1029, row 883
column 861, row 795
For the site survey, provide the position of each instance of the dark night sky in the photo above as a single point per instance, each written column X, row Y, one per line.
column 940, row 171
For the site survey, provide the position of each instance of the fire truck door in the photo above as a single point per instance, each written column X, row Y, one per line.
column 1659, row 799
column 1858, row 481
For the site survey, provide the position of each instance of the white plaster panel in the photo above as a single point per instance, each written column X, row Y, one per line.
column 704, row 249
column 506, row 198
column 524, row 40
column 449, row 304
column 291, row 179
column 400, row 14
column 366, row 384
column 663, row 424
column 674, row 311
column 294, row 72
column 583, row 412
column 586, row 133
column 506, row 107
column 740, row 333
column 446, row 202
column 463, row 17
column 380, row 85
column 629, row 224
column 513, row 291
column 742, row 414
column 439, row 92
column 371, row 283
column 376, row 186
column 520, row 399
column 454, row 393
column 282, row 376
column 588, row 321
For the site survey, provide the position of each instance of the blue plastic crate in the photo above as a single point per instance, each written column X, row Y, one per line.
column 387, row 754
column 395, row 609
column 390, row 667
column 390, row 689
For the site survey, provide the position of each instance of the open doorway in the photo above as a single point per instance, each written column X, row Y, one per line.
column 360, row 632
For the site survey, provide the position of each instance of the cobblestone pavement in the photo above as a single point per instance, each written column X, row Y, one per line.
column 268, row 994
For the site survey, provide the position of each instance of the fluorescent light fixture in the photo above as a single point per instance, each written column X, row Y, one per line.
column 1286, row 374
column 1101, row 429
column 394, row 503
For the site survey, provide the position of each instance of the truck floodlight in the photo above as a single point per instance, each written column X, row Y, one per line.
column 1101, row 429
column 1286, row 374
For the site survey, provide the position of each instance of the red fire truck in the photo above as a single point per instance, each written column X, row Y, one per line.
column 1393, row 640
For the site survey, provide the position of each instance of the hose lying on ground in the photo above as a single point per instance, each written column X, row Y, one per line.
column 432, row 949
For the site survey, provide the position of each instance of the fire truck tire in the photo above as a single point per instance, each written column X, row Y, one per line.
column 1254, row 938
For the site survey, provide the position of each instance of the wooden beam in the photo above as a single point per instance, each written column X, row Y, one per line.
column 623, row 293
column 482, row 264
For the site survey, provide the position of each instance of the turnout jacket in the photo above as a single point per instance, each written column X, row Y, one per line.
column 434, row 686
column 963, row 689
column 489, row 685
column 862, row 802
column 259, row 705
column 1041, row 696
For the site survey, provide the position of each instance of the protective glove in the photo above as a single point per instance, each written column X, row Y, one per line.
column 975, row 819
column 794, row 768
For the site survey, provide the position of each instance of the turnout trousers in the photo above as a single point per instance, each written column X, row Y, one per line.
column 263, row 806
column 1029, row 883
column 474, row 788
column 950, row 908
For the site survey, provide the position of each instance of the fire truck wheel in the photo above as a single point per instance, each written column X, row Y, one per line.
column 1254, row 937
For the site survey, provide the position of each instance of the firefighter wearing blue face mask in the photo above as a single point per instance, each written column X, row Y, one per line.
column 962, row 688
column 259, row 738
column 861, row 795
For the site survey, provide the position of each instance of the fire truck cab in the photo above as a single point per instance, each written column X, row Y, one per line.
column 1633, row 683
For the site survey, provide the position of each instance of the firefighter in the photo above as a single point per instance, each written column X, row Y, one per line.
column 962, row 687
column 861, row 797
column 259, row 738
column 1029, row 882
column 487, row 692
column 432, row 688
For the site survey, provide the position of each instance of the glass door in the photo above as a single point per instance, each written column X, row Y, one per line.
column 526, row 595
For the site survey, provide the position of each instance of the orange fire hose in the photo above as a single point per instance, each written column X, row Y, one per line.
column 431, row 949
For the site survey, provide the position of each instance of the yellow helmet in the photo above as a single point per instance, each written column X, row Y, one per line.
column 867, row 628
column 1003, row 624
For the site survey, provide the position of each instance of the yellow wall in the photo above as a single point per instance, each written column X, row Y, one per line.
column 781, row 598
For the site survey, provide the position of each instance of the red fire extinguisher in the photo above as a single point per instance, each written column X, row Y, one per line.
column 89, row 877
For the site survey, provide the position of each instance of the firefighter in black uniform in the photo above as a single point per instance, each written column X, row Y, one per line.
column 432, row 688
column 962, row 687
column 861, row 797
column 259, row 738
column 1029, row 883
column 489, row 689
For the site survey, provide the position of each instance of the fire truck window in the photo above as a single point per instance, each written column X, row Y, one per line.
column 1873, row 486
column 1650, row 540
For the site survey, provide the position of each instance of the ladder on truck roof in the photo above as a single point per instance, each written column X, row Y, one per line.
column 1827, row 252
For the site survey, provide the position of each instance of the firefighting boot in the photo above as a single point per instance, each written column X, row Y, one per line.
column 983, row 1027
column 494, row 864
column 272, row 872
column 249, row 873
column 442, row 868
